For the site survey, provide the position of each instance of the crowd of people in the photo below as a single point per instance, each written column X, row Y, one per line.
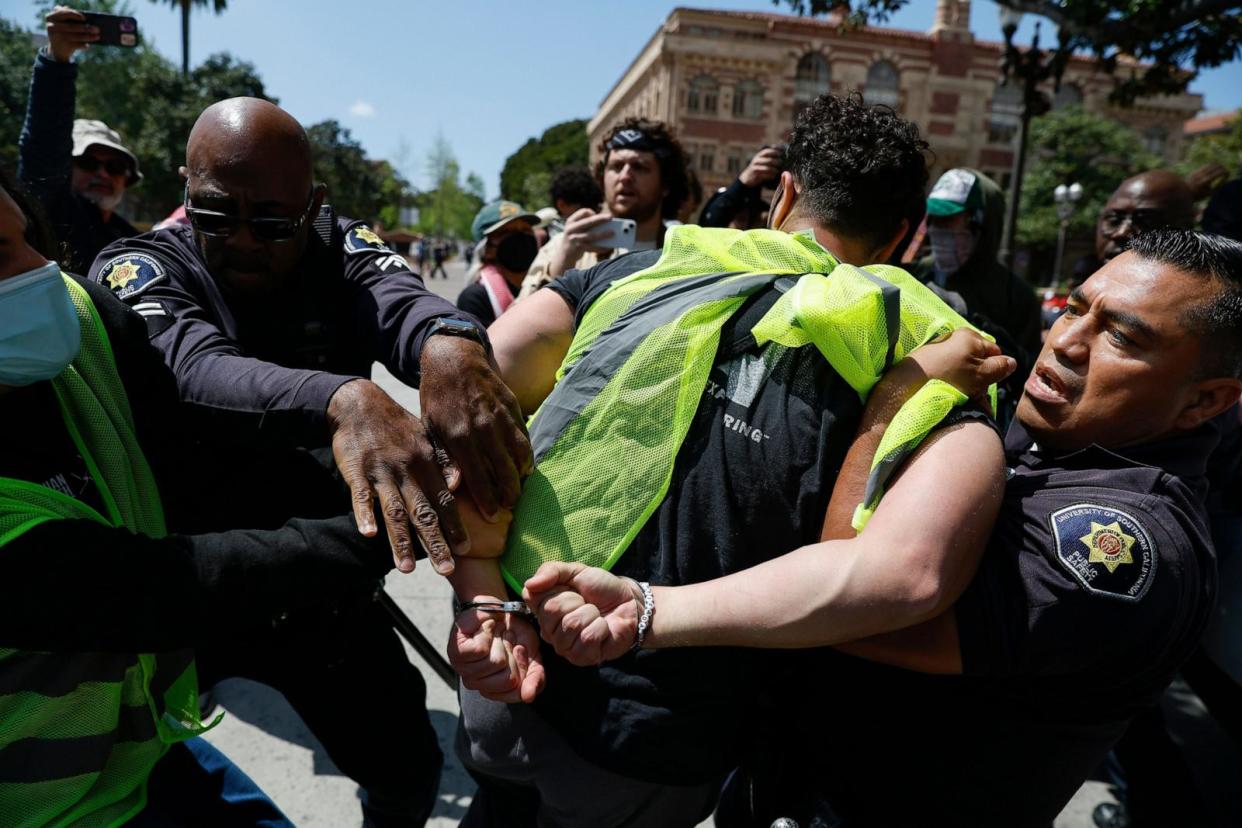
column 790, row 510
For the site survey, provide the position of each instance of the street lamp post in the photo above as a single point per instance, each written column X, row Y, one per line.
column 1066, row 199
column 1029, row 69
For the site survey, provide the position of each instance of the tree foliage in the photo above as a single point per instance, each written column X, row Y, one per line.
column 528, row 172
column 448, row 208
column 185, row 6
column 1171, row 40
column 1069, row 146
column 143, row 96
column 1224, row 148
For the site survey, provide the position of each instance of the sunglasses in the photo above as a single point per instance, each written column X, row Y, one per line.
column 113, row 166
column 223, row 225
column 1140, row 220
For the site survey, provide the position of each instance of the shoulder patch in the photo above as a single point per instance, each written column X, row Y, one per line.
column 130, row 274
column 361, row 238
column 1105, row 549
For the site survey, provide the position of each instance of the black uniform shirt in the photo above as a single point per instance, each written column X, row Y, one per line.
column 276, row 365
column 751, row 482
column 1095, row 586
column 77, row 585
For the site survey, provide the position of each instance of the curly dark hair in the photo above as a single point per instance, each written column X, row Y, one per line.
column 860, row 169
column 669, row 154
column 576, row 185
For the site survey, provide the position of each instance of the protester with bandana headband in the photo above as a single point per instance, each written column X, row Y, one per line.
column 643, row 173
column 965, row 213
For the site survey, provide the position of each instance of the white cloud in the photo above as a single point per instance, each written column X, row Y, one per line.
column 362, row 109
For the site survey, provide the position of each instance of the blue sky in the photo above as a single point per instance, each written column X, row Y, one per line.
column 485, row 74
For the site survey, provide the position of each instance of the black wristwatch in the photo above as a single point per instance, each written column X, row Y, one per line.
column 457, row 327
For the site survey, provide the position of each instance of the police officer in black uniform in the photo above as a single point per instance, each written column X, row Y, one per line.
column 270, row 310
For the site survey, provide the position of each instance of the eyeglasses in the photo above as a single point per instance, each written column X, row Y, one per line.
column 113, row 166
column 1140, row 220
column 223, row 225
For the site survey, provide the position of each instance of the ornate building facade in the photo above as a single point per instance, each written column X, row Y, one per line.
column 731, row 82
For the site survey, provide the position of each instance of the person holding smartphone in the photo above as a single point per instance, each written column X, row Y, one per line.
column 643, row 172
column 78, row 169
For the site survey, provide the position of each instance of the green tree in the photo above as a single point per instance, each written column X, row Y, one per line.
column 185, row 7
column 16, row 55
column 1070, row 146
column 447, row 209
column 1224, row 148
column 1173, row 40
column 527, row 172
column 355, row 184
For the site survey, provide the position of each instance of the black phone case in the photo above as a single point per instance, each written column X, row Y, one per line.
column 114, row 30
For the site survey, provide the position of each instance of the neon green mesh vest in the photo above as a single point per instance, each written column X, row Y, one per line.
column 606, row 438
column 80, row 732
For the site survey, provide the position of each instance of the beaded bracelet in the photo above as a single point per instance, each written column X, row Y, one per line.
column 644, row 620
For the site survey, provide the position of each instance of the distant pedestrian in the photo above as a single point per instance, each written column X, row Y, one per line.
column 439, row 254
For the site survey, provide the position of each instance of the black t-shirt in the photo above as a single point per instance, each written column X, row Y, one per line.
column 751, row 482
column 1095, row 586
column 474, row 301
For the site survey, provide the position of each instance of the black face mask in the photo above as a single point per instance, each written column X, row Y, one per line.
column 515, row 252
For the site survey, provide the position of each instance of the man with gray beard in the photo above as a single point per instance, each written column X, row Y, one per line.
column 78, row 170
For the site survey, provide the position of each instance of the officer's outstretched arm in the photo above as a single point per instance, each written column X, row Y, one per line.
column 529, row 342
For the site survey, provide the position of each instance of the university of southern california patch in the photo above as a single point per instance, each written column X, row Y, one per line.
column 130, row 274
column 1106, row 550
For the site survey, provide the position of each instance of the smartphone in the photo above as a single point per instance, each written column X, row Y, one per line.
column 114, row 30
column 623, row 231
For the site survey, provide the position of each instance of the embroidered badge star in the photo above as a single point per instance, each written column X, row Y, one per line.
column 368, row 236
column 122, row 273
column 1109, row 545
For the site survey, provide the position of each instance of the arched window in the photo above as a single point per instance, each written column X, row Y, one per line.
column 1154, row 140
column 702, row 95
column 1067, row 95
column 882, row 81
column 812, row 78
column 748, row 99
column 1006, row 113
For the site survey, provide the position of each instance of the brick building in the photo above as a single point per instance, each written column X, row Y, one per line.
column 731, row 82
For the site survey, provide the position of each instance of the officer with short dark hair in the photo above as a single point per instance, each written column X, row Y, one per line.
column 270, row 311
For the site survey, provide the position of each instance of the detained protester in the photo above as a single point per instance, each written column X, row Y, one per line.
column 965, row 214
column 692, row 396
column 506, row 237
column 270, row 310
column 78, row 170
column 1095, row 586
column 103, row 604
column 642, row 170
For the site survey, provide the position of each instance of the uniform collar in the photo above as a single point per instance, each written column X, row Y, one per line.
column 1183, row 455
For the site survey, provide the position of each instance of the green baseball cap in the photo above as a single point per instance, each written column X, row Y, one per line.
column 957, row 191
column 496, row 215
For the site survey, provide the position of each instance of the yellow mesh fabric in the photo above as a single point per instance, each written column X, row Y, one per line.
column 97, row 415
column 609, row 469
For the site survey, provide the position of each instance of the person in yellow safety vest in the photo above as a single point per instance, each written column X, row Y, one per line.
column 101, row 607
column 694, row 407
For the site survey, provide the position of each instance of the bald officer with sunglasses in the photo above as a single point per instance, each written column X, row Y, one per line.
column 270, row 311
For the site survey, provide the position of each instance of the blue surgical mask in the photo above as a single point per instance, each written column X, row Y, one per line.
column 39, row 333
